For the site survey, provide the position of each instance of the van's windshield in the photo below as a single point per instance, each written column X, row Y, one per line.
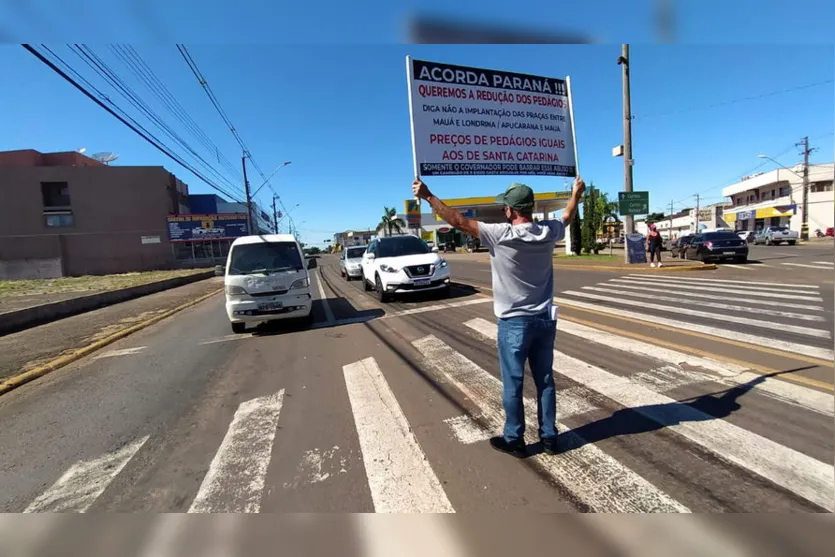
column 273, row 257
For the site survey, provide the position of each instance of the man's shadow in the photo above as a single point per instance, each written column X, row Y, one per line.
column 644, row 419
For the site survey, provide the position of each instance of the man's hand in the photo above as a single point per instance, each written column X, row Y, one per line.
column 420, row 190
column 579, row 186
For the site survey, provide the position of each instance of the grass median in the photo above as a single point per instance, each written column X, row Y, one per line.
column 87, row 284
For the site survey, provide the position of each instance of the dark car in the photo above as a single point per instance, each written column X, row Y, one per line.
column 449, row 246
column 717, row 246
column 677, row 248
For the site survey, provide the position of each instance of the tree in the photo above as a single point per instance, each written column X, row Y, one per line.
column 592, row 219
column 576, row 234
column 654, row 217
column 391, row 222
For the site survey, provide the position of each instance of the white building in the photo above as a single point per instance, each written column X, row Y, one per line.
column 775, row 198
column 683, row 223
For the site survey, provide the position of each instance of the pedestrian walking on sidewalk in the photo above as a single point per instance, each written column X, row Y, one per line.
column 655, row 240
column 522, row 264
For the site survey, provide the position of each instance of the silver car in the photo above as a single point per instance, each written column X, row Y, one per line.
column 349, row 262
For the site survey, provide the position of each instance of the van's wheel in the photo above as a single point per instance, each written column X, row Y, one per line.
column 382, row 295
column 238, row 328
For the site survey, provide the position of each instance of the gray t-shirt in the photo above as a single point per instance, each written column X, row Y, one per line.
column 522, row 262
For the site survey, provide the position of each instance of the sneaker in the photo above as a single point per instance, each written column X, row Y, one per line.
column 549, row 445
column 652, row 264
column 660, row 265
column 516, row 448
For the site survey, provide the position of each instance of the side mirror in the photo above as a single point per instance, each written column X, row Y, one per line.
column 434, row 249
column 220, row 270
column 311, row 263
column 367, row 255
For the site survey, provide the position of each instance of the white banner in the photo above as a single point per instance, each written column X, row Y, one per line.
column 471, row 121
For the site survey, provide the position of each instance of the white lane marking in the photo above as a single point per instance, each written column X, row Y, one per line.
column 571, row 402
column 323, row 298
column 592, row 476
column 830, row 263
column 235, row 479
column 682, row 299
column 725, row 281
column 84, row 481
column 805, row 349
column 818, row 267
column 400, row 477
column 771, row 303
column 673, row 287
column 437, row 307
column 412, row 536
column 227, row 338
column 668, row 377
column 122, row 352
column 729, row 374
column 760, row 323
column 786, row 292
column 801, row 474
column 740, row 267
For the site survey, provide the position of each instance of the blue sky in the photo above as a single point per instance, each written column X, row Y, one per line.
column 340, row 114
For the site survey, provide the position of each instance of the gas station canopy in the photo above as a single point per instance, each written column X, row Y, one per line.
column 486, row 209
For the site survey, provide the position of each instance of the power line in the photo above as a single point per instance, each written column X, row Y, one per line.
column 124, row 117
column 104, row 71
column 734, row 101
column 216, row 103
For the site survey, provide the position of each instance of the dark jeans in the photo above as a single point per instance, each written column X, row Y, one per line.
column 654, row 252
column 530, row 339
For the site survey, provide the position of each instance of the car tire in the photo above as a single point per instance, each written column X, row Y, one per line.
column 383, row 296
column 791, row 242
column 238, row 328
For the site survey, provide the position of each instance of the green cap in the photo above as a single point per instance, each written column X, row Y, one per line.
column 517, row 196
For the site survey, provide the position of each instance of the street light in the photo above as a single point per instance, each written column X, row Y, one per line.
column 279, row 167
column 780, row 165
column 285, row 214
column 804, row 215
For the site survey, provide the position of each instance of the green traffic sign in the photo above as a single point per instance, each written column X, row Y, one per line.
column 633, row 202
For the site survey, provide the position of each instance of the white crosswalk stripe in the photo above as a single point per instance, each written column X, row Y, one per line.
column 807, row 266
column 803, row 475
column 701, row 280
column 830, row 263
column 594, row 477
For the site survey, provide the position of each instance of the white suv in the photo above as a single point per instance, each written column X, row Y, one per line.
column 402, row 264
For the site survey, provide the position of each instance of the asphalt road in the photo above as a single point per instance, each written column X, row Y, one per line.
column 664, row 406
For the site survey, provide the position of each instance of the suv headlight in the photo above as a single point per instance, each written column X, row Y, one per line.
column 443, row 263
column 388, row 269
column 233, row 290
column 301, row 283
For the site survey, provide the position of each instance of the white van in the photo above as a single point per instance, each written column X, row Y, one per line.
column 266, row 279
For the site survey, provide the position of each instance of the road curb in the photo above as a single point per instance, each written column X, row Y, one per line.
column 22, row 378
column 680, row 269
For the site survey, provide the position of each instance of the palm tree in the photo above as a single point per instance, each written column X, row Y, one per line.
column 391, row 222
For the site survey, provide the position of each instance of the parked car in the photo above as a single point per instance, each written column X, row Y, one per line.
column 403, row 264
column 678, row 246
column 350, row 262
column 266, row 280
column 772, row 235
column 717, row 246
column 747, row 235
column 830, row 231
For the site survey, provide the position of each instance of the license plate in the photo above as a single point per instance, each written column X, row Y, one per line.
column 730, row 253
column 424, row 282
column 270, row 306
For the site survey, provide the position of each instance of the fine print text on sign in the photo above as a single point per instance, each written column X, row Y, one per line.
column 471, row 121
column 633, row 202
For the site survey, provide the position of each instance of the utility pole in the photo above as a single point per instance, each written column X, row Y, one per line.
column 696, row 217
column 248, row 198
column 275, row 217
column 624, row 61
column 804, row 226
column 670, row 233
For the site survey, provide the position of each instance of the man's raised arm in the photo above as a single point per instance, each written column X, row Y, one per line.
column 451, row 216
column 576, row 194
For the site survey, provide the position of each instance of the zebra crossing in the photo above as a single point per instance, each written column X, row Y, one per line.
column 818, row 265
column 788, row 317
column 401, row 469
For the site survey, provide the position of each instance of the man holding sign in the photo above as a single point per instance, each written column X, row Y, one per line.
column 521, row 255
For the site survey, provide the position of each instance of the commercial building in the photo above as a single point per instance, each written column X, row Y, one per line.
column 354, row 237
column 209, row 204
column 66, row 214
column 775, row 198
column 682, row 223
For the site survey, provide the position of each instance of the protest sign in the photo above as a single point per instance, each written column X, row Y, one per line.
column 472, row 121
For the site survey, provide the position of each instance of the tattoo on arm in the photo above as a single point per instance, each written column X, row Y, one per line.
column 454, row 218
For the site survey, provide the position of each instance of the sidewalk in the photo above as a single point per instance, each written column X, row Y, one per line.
column 31, row 348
